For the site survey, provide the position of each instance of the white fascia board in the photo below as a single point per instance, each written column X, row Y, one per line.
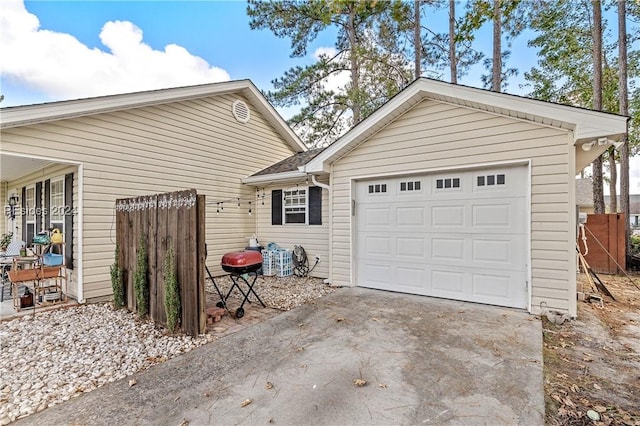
column 40, row 113
column 274, row 177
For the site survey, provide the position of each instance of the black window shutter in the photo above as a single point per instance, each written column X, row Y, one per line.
column 315, row 205
column 276, row 207
column 38, row 207
column 68, row 219
column 23, row 214
column 47, row 204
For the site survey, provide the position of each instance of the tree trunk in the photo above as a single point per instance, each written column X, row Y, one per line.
column 453, row 61
column 596, row 32
column 354, row 68
column 624, row 110
column 417, row 41
column 496, row 72
column 613, row 171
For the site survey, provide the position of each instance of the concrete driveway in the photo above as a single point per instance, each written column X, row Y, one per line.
column 424, row 361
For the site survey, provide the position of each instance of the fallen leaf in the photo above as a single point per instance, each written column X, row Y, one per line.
column 245, row 402
column 382, row 385
column 359, row 382
column 339, row 319
column 300, row 349
column 574, row 388
column 176, row 399
column 269, row 385
column 600, row 409
column 596, row 386
column 185, row 422
column 374, row 319
column 133, row 382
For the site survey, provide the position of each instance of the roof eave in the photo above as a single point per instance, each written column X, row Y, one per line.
column 273, row 177
column 42, row 113
column 585, row 123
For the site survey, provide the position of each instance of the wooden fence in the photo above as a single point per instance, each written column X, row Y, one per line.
column 605, row 238
column 177, row 218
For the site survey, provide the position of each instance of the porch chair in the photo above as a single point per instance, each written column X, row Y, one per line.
column 13, row 250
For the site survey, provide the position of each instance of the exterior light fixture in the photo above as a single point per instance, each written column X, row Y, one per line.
column 13, row 202
column 587, row 146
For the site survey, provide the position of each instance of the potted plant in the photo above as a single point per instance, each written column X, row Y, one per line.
column 5, row 241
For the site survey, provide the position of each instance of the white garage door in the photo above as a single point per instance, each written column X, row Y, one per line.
column 457, row 235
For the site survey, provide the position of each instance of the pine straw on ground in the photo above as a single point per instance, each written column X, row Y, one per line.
column 593, row 363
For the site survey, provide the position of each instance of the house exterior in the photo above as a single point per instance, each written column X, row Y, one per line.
column 69, row 161
column 634, row 208
column 460, row 193
column 584, row 195
column 445, row 191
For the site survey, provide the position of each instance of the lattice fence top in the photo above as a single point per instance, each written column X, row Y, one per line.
column 170, row 200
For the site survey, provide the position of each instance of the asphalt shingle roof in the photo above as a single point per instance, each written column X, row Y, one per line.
column 292, row 163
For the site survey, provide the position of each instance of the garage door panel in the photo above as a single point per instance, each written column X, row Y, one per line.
column 448, row 283
column 447, row 237
column 410, row 217
column 447, row 249
column 411, row 247
column 411, row 278
column 377, row 246
column 377, row 275
column 447, row 217
column 378, row 216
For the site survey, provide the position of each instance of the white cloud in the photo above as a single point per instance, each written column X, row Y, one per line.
column 62, row 67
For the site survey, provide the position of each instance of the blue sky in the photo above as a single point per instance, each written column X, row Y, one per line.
column 69, row 44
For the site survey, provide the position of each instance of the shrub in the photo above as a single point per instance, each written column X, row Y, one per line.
column 635, row 244
column 171, row 291
column 140, row 282
column 117, row 282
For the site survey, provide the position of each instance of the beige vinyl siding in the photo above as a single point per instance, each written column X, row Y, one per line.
column 435, row 135
column 188, row 144
column 51, row 172
column 314, row 238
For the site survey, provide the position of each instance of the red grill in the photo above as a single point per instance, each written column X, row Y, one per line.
column 241, row 262
column 237, row 264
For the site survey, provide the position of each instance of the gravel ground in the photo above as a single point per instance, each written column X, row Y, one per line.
column 55, row 355
column 282, row 293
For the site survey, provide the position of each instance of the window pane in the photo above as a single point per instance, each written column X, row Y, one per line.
column 456, row 182
column 403, row 186
column 417, row 185
column 480, row 180
column 447, row 183
column 439, row 183
column 384, row 187
column 500, row 179
column 370, row 189
column 294, row 217
column 491, row 180
column 410, row 186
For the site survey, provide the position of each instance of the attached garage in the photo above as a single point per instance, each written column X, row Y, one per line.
column 462, row 193
column 459, row 234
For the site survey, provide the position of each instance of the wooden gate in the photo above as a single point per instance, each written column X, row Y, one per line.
column 177, row 218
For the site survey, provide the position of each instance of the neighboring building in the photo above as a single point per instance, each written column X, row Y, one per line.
column 634, row 208
column 584, row 195
column 446, row 190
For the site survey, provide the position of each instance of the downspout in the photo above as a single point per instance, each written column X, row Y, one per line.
column 321, row 185
column 330, row 208
column 80, row 236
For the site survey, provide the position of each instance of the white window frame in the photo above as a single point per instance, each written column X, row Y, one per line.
column 60, row 209
column 289, row 193
column 30, row 210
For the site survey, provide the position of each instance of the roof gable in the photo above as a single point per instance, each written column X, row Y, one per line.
column 585, row 124
column 33, row 114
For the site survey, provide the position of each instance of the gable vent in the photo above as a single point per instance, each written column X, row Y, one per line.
column 241, row 111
